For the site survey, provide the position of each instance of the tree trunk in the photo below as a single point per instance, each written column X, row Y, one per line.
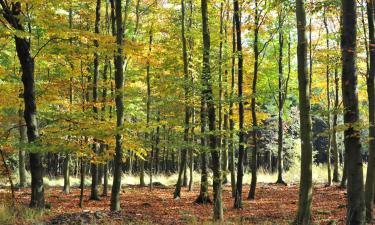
column 370, row 178
column 27, row 65
column 254, row 158
column 281, row 100
column 94, row 176
column 119, row 84
column 177, row 192
column 66, row 188
column 21, row 153
column 220, row 121
column 305, row 192
column 207, row 84
column 241, row 148
column 94, row 166
column 82, row 184
column 328, row 101
column 231, row 121
column 334, row 135
column 203, row 197
column 356, row 201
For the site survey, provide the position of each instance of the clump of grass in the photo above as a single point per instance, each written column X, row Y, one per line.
column 20, row 215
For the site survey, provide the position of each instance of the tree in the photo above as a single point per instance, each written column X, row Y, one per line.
column 283, row 90
column 177, row 192
column 12, row 15
column 241, row 148
column 207, row 87
column 370, row 178
column 94, row 166
column 21, row 154
column 356, row 204
column 305, row 191
column 328, row 100
column 119, row 85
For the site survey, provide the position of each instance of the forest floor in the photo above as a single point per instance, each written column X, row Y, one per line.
column 274, row 204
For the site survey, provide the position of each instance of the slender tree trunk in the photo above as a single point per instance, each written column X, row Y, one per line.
column 105, row 177
column 254, row 158
column 220, row 108
column 148, row 108
column 177, row 192
column 370, row 177
column 207, row 84
column 82, row 184
column 305, row 192
column 282, row 96
column 334, row 133
column 356, row 200
column 241, row 148
column 66, row 188
column 119, row 84
column 328, row 101
column 94, row 166
column 231, row 121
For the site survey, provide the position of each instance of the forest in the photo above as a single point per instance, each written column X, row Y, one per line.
column 187, row 112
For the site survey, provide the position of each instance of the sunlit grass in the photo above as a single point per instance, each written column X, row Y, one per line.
column 320, row 175
column 20, row 215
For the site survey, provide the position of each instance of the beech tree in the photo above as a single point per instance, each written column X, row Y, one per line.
column 305, row 192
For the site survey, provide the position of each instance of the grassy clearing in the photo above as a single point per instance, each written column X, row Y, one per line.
column 290, row 176
column 20, row 215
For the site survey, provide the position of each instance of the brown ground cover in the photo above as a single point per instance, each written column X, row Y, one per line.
column 274, row 204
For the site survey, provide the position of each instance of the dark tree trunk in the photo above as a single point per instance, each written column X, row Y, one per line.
column 94, row 166
column 283, row 89
column 231, row 121
column 370, row 178
column 27, row 65
column 328, row 101
column 241, row 148
column 334, row 135
column 356, row 200
column 119, row 85
column 94, row 176
column 254, row 158
column 305, row 192
column 182, row 171
column 82, row 184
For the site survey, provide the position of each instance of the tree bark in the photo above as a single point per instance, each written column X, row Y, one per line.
column 283, row 88
column 207, row 88
column 241, row 148
column 177, row 192
column 370, row 177
column 328, row 100
column 305, row 192
column 334, row 133
column 356, row 201
column 94, row 166
column 203, row 197
column 119, row 85
column 231, row 121
column 27, row 65
column 254, row 158
column 21, row 153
